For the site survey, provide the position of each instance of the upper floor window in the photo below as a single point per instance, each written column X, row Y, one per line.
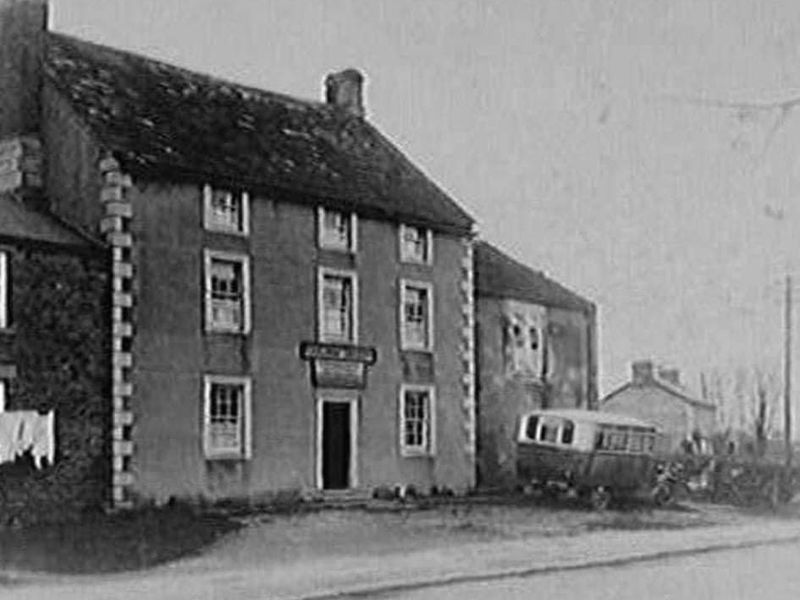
column 338, row 306
column 226, row 416
column 5, row 286
column 416, row 316
column 525, row 344
column 227, row 293
column 337, row 230
column 226, row 210
column 416, row 244
column 417, row 421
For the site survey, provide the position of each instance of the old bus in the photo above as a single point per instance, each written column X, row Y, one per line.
column 598, row 455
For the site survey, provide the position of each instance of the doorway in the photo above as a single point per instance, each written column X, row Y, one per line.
column 336, row 443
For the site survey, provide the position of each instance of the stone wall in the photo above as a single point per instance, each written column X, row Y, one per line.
column 58, row 344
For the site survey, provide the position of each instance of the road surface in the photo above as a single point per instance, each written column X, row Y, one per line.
column 762, row 573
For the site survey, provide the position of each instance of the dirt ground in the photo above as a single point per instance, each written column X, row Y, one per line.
column 386, row 530
column 181, row 537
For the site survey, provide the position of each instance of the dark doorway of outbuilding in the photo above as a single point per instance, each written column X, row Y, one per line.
column 336, row 445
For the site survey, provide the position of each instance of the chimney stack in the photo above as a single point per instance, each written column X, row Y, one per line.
column 345, row 90
column 670, row 375
column 23, row 24
column 642, row 372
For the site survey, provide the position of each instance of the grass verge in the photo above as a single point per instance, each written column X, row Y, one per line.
column 102, row 543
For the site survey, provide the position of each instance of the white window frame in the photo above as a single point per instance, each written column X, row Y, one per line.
column 210, row 224
column 5, row 285
column 2, row 395
column 321, row 241
column 246, row 451
column 405, row 344
column 407, row 257
column 416, row 451
column 244, row 260
column 353, row 275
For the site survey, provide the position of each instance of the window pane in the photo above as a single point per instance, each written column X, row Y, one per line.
column 415, row 243
column 567, row 432
column 415, row 312
column 530, row 431
column 225, row 210
column 336, row 231
column 416, row 420
column 227, row 298
column 225, row 417
column 337, row 307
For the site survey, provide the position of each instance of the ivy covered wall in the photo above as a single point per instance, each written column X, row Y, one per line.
column 59, row 343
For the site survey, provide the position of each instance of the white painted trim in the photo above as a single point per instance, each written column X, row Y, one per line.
column 4, row 289
column 353, row 246
column 410, row 259
column 353, row 401
column 247, row 416
column 353, row 275
column 405, row 451
column 210, row 225
column 427, row 285
column 244, row 260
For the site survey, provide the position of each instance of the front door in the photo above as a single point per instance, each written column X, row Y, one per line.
column 336, row 445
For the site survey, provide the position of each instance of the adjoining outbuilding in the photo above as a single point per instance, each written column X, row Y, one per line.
column 536, row 347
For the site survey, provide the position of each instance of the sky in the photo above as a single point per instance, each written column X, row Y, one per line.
column 608, row 143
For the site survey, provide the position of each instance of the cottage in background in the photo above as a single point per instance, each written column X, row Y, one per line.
column 657, row 396
column 536, row 347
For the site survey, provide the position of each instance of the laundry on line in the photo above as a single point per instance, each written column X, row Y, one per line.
column 27, row 430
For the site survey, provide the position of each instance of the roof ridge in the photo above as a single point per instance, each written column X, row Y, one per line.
column 217, row 79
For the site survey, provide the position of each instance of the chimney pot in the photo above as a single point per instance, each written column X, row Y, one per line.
column 670, row 375
column 642, row 372
column 345, row 90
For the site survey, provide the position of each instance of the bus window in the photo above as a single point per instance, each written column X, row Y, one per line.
column 548, row 432
column 567, row 432
column 530, row 430
column 615, row 439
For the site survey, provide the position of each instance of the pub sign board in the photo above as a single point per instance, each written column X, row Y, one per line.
column 338, row 365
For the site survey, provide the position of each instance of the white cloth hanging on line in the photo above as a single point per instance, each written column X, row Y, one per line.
column 26, row 430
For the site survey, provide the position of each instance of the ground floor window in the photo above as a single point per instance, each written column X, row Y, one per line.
column 417, row 420
column 226, row 417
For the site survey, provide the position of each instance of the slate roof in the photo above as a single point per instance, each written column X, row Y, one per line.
column 499, row 275
column 165, row 121
column 18, row 221
column 677, row 391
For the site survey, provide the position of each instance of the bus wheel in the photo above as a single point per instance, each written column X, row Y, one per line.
column 599, row 498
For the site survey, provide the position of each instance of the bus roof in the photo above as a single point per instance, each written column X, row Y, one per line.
column 591, row 416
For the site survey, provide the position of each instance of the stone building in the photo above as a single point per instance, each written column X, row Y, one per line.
column 536, row 347
column 656, row 395
column 54, row 370
column 291, row 302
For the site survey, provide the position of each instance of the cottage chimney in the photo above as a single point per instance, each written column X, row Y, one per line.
column 345, row 90
column 22, row 27
column 642, row 372
column 670, row 375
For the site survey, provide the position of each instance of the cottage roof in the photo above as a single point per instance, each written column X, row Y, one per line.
column 678, row 391
column 168, row 122
column 19, row 221
column 499, row 275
